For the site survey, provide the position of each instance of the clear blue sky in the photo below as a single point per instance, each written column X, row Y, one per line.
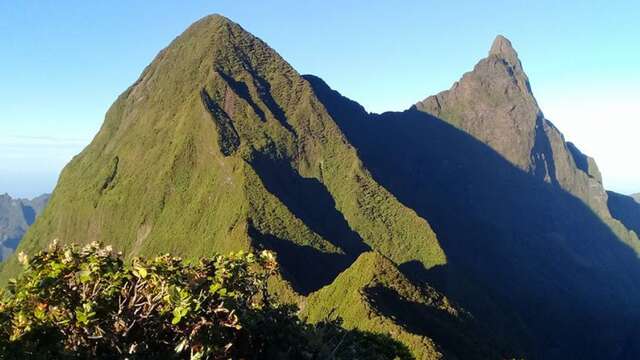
column 63, row 63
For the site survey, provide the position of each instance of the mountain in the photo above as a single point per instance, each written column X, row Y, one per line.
column 494, row 103
column 220, row 146
column 522, row 216
column 636, row 197
column 465, row 226
column 16, row 215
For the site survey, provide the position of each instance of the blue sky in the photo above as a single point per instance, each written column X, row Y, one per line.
column 64, row 62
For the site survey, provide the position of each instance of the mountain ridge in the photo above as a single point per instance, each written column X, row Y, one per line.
column 495, row 104
column 626, row 209
column 220, row 146
column 16, row 215
column 442, row 169
column 469, row 208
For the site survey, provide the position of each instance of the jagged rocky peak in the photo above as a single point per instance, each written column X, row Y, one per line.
column 494, row 104
column 502, row 48
column 501, row 45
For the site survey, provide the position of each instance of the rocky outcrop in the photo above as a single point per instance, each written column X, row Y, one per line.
column 521, row 214
column 494, row 104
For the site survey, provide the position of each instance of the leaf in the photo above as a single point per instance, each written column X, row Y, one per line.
column 178, row 314
column 84, row 276
column 81, row 317
column 140, row 272
column 214, row 288
column 181, row 346
column 39, row 313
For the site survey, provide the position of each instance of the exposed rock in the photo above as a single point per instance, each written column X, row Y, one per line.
column 502, row 47
column 494, row 104
column 512, row 208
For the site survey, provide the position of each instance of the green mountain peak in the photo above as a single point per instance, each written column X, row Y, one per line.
column 221, row 145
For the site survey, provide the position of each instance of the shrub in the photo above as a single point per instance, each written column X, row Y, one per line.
column 86, row 302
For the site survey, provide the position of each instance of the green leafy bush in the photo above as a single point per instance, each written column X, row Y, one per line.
column 87, row 303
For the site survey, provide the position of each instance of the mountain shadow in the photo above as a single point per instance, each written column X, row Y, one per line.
column 459, row 337
column 29, row 214
column 263, row 89
column 626, row 209
column 306, row 268
column 543, row 146
column 547, row 258
column 581, row 160
column 309, row 200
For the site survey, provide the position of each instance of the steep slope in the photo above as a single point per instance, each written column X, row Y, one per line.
column 221, row 145
column 521, row 215
column 16, row 215
column 494, row 104
column 374, row 295
column 626, row 209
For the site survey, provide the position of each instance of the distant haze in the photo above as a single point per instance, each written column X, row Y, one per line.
column 29, row 166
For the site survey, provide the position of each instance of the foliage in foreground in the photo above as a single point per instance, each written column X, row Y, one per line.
column 87, row 303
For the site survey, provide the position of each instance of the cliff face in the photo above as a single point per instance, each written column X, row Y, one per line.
column 521, row 214
column 494, row 103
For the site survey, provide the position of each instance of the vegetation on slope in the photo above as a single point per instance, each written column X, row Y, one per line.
column 221, row 145
column 374, row 295
column 520, row 250
column 86, row 303
column 222, row 141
